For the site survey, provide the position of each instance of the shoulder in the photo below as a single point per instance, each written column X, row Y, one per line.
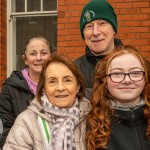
column 85, row 106
column 14, row 78
column 80, row 60
column 15, row 74
column 25, row 125
column 25, row 132
column 26, row 118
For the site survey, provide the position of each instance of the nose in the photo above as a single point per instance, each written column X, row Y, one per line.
column 38, row 56
column 127, row 79
column 96, row 30
column 60, row 86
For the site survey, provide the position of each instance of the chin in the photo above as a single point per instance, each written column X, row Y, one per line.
column 39, row 70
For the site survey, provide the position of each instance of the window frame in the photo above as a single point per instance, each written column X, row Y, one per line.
column 11, row 31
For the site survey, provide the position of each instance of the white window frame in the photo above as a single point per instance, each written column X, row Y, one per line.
column 11, row 36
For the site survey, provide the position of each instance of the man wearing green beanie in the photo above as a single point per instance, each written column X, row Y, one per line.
column 98, row 26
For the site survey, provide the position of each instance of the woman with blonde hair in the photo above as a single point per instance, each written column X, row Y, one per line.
column 120, row 115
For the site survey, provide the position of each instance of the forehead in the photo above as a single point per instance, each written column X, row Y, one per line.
column 57, row 69
column 125, row 61
column 36, row 43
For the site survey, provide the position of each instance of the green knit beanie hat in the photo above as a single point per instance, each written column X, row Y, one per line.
column 98, row 10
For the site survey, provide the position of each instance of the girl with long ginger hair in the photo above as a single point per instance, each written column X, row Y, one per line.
column 120, row 115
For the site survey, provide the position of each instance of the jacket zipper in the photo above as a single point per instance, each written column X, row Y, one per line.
column 132, row 113
column 137, row 135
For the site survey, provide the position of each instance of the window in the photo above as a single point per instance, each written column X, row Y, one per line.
column 28, row 18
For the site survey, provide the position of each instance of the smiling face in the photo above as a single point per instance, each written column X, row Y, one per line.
column 99, row 37
column 61, row 85
column 127, row 91
column 36, row 54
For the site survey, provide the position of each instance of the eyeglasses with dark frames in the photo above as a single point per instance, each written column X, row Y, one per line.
column 118, row 77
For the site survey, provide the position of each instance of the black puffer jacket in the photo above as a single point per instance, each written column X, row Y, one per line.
column 14, row 98
column 129, row 133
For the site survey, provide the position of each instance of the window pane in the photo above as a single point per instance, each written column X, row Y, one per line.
column 18, row 5
column 49, row 5
column 27, row 27
column 33, row 5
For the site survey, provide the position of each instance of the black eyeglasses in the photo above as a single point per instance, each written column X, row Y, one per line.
column 118, row 77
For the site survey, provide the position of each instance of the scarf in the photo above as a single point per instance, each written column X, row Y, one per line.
column 64, row 121
column 32, row 85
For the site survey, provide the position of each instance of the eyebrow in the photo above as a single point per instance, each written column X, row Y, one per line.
column 123, row 68
column 68, row 76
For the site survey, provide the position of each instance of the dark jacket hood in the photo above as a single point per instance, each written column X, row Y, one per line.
column 17, row 80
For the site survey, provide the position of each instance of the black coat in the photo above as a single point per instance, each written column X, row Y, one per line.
column 86, row 64
column 129, row 133
column 14, row 98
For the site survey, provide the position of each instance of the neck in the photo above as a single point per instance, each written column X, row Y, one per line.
column 128, row 103
column 34, row 76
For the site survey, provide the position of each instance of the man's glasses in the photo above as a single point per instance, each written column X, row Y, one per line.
column 118, row 77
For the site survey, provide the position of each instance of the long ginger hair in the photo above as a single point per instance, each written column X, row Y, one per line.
column 101, row 115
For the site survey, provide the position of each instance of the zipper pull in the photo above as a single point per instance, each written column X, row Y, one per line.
column 132, row 113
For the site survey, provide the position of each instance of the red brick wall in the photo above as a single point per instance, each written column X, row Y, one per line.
column 133, row 20
column 2, row 41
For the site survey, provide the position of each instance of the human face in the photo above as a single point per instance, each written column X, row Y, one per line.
column 37, row 53
column 61, row 85
column 127, row 91
column 99, row 37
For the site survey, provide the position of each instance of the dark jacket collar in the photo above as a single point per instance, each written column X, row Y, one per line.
column 133, row 116
column 91, row 57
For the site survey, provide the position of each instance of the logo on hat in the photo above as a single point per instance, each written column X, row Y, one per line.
column 88, row 15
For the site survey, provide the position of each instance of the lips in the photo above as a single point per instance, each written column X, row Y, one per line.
column 96, row 41
column 38, row 64
column 61, row 96
column 126, row 88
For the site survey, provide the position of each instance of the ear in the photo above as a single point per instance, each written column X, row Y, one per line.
column 24, row 59
column 78, row 88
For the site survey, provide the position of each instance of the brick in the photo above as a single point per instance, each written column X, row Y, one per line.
column 62, row 20
column 60, row 26
column 62, row 32
column 74, row 19
column 63, row 8
column 140, row 4
column 75, row 43
column 145, row 10
column 61, row 14
column 140, row 29
column 145, row 23
column 124, row 5
column 72, row 25
column 63, row 43
column 141, row 17
column 130, row 23
column 145, row 35
column 125, row 17
column 145, row 48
